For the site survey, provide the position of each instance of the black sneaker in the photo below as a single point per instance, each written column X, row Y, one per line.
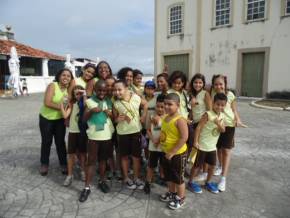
column 147, row 188
column 176, row 203
column 84, row 195
column 104, row 187
column 168, row 196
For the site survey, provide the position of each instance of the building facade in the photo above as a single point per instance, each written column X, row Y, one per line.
column 246, row 40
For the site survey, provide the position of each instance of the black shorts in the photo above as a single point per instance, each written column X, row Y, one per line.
column 174, row 169
column 226, row 139
column 76, row 142
column 99, row 150
column 130, row 144
column 203, row 157
column 154, row 158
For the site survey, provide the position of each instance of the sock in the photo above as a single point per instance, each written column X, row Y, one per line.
column 87, row 188
column 223, row 178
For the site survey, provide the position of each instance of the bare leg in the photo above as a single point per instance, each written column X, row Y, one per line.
column 194, row 172
column 180, row 190
column 149, row 175
column 210, row 172
column 125, row 166
column 226, row 158
column 136, row 167
column 102, row 169
column 70, row 164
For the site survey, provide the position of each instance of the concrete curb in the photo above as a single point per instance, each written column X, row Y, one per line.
column 254, row 104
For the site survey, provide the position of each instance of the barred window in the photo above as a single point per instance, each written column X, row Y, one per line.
column 222, row 12
column 287, row 8
column 176, row 19
column 256, row 10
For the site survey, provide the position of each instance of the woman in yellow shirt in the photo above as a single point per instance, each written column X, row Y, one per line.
column 51, row 122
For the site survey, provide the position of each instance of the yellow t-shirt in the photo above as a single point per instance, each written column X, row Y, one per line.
column 80, row 82
column 209, row 133
column 138, row 90
column 100, row 135
column 50, row 113
column 73, row 120
column 228, row 111
column 151, row 110
column 183, row 100
column 131, row 109
column 170, row 135
column 199, row 109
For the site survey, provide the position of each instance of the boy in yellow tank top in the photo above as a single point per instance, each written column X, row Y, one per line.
column 205, row 139
column 173, row 136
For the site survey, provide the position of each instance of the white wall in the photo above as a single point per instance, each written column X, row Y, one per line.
column 173, row 44
column 219, row 47
column 37, row 83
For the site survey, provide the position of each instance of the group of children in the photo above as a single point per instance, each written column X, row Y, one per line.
column 170, row 122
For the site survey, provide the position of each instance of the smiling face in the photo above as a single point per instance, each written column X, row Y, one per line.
column 120, row 90
column 110, row 86
column 162, row 84
column 88, row 73
column 219, row 85
column 137, row 80
column 219, row 106
column 103, row 71
column 160, row 110
column 198, row 84
column 171, row 106
column 129, row 78
column 177, row 84
column 65, row 78
column 101, row 91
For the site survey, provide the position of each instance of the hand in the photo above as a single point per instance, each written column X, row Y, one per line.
column 196, row 145
column 156, row 142
column 218, row 121
column 240, row 124
column 108, row 112
column 168, row 156
column 154, row 120
column 96, row 110
column 142, row 119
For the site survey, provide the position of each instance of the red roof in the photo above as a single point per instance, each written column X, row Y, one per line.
column 25, row 50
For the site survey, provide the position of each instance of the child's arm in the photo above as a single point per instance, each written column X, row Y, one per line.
column 66, row 111
column 181, row 125
column 119, row 117
column 144, row 105
column 238, row 121
column 155, row 141
column 88, row 113
column 90, row 87
column 198, row 129
column 208, row 101
column 70, row 89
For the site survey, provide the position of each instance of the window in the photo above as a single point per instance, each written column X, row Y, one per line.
column 176, row 19
column 287, row 7
column 222, row 12
column 256, row 10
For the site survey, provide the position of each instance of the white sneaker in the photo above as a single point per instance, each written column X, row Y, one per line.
column 201, row 177
column 139, row 184
column 218, row 171
column 130, row 184
column 68, row 181
column 222, row 185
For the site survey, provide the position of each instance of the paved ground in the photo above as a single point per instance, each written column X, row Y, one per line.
column 258, row 185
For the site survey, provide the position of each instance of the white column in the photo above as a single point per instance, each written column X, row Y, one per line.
column 45, row 67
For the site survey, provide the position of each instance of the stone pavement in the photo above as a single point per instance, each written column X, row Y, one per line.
column 258, row 184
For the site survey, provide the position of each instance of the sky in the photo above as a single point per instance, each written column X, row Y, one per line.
column 118, row 31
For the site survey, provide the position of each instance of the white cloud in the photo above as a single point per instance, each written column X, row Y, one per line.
column 119, row 31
